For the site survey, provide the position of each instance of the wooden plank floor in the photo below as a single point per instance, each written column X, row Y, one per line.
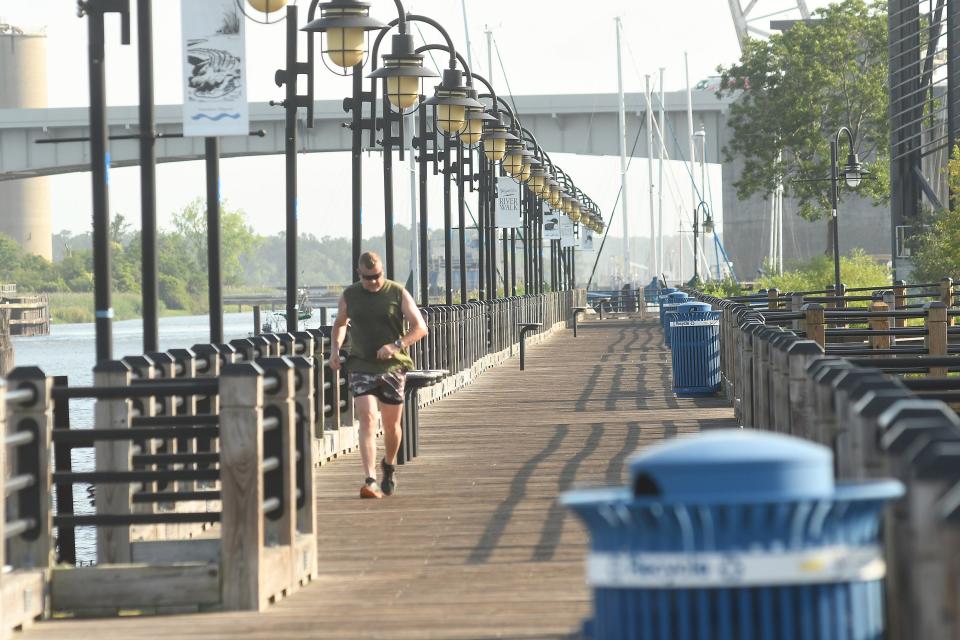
column 474, row 544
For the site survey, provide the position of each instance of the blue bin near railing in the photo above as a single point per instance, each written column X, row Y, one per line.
column 651, row 292
column 735, row 534
column 668, row 303
column 693, row 333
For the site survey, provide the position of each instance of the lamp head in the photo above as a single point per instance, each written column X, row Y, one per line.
column 473, row 132
column 853, row 171
column 345, row 24
column 266, row 7
column 402, row 70
column 495, row 139
column 451, row 101
column 708, row 224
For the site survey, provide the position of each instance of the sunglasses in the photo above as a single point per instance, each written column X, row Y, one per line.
column 371, row 278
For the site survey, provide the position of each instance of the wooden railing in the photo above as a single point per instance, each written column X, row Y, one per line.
column 877, row 392
column 203, row 463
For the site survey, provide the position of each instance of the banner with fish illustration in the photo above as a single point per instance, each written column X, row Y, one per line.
column 215, row 90
column 551, row 223
column 567, row 235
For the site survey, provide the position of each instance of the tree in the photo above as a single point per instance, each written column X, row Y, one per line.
column 797, row 89
column 236, row 238
column 936, row 252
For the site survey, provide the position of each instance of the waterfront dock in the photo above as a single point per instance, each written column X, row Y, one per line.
column 475, row 544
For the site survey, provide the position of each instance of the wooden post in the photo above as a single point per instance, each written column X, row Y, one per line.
column 281, row 525
column 143, row 368
column 799, row 356
column 841, row 293
column 879, row 324
column 946, row 291
column 796, row 305
column 813, row 319
column 241, row 487
column 186, row 362
column 113, row 543
column 207, row 364
column 33, row 549
column 773, row 299
column 305, row 551
column 890, row 300
column 899, row 291
column 745, row 381
column 936, row 333
column 6, row 344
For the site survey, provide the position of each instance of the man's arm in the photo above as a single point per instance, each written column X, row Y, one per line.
column 338, row 334
column 418, row 328
column 417, row 331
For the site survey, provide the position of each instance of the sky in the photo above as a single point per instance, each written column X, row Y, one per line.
column 546, row 47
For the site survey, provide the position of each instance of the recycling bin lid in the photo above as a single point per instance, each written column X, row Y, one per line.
column 676, row 296
column 731, row 466
column 692, row 307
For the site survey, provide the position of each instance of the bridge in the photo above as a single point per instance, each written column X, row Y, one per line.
column 584, row 124
column 475, row 543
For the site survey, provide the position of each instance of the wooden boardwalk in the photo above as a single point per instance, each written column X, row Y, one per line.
column 474, row 544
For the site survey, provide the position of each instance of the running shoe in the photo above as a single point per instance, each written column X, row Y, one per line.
column 371, row 489
column 389, row 483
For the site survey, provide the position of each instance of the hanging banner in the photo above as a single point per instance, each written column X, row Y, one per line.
column 586, row 240
column 551, row 223
column 567, row 237
column 215, row 89
column 508, row 203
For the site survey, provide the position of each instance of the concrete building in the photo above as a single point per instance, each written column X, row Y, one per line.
column 25, row 203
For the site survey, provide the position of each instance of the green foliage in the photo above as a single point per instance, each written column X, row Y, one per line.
column 797, row 89
column 173, row 292
column 856, row 270
column 936, row 252
column 236, row 239
column 250, row 261
column 722, row 288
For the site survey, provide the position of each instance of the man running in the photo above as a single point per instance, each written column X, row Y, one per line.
column 375, row 309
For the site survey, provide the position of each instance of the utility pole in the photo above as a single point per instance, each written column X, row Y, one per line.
column 662, row 152
column 623, row 158
column 693, row 182
column 648, row 96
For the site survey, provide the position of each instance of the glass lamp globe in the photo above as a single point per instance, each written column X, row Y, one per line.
column 267, row 6
column 494, row 148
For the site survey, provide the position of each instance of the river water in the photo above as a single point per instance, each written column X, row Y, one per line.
column 70, row 350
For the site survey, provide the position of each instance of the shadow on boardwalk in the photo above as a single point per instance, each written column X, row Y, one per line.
column 474, row 544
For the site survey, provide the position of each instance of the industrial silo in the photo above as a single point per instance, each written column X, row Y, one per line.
column 25, row 203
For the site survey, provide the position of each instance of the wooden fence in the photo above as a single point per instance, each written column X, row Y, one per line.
column 872, row 382
column 204, row 461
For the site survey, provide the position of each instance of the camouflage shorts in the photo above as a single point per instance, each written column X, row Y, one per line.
column 387, row 387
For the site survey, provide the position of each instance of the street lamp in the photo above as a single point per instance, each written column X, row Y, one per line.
column 707, row 228
column 853, row 174
column 345, row 24
column 402, row 74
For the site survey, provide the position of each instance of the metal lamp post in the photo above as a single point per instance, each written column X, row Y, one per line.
column 345, row 23
column 853, row 174
column 450, row 102
column 707, row 228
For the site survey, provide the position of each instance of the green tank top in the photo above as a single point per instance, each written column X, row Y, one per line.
column 376, row 319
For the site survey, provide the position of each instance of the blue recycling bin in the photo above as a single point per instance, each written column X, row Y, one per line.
column 735, row 534
column 651, row 292
column 669, row 302
column 694, row 338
